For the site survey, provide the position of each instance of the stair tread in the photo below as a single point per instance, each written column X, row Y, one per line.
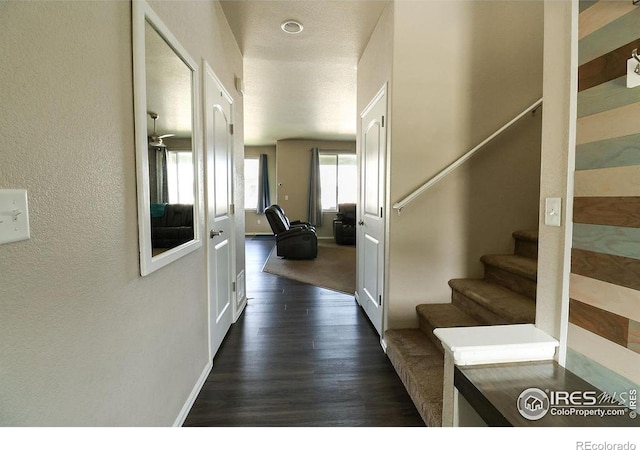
column 514, row 307
column 412, row 342
column 420, row 366
column 526, row 235
column 519, row 265
column 445, row 315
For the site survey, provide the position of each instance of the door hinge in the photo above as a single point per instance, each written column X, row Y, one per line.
column 232, row 208
column 233, row 286
column 380, row 299
column 381, row 216
column 230, row 128
column 382, row 121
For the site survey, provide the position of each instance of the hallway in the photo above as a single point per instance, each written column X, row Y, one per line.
column 300, row 356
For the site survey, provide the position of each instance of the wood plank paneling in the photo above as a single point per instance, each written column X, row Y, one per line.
column 584, row 4
column 616, row 152
column 609, row 182
column 601, row 14
column 610, row 37
column 597, row 374
column 609, row 124
column 613, row 211
column 605, row 259
column 619, row 359
column 634, row 336
column 607, row 67
column 610, row 326
column 612, row 269
column 610, row 297
column 609, row 95
column 619, row 241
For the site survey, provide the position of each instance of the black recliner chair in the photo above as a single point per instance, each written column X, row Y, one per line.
column 344, row 225
column 297, row 241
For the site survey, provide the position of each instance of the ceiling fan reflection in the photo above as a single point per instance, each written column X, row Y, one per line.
column 155, row 140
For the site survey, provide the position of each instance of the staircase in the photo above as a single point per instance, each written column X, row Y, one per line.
column 506, row 295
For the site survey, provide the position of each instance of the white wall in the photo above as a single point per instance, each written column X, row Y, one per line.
column 292, row 168
column 457, row 76
column 84, row 339
column 558, row 136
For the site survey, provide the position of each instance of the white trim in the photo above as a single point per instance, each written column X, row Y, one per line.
column 384, row 235
column 383, row 344
column 571, row 164
column 141, row 13
column 240, row 308
column 209, row 74
column 497, row 344
column 381, row 93
column 188, row 404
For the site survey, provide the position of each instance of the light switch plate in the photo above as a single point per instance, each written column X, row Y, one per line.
column 633, row 79
column 552, row 211
column 14, row 216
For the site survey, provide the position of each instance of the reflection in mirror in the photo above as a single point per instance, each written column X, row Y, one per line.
column 165, row 84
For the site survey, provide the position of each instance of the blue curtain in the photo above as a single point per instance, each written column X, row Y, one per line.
column 264, row 197
column 315, row 205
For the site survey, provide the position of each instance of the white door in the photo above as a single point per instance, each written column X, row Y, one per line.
column 371, row 223
column 218, row 169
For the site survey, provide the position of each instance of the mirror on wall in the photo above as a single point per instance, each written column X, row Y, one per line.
column 167, row 157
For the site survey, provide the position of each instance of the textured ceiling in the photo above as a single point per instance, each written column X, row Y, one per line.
column 304, row 85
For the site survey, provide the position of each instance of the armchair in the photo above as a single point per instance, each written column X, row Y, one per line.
column 297, row 241
column 292, row 223
column 344, row 225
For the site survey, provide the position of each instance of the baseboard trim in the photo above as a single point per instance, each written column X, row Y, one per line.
column 194, row 394
column 240, row 309
column 383, row 344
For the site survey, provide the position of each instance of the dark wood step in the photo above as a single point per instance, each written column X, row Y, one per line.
column 491, row 302
column 526, row 243
column 443, row 315
column 420, row 366
column 513, row 272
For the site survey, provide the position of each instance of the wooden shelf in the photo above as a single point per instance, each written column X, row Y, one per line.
column 493, row 390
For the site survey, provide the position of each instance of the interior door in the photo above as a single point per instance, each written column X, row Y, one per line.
column 371, row 223
column 218, row 170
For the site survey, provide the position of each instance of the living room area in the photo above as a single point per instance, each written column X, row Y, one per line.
column 282, row 175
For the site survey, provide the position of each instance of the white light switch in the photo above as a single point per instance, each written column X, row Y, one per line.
column 14, row 215
column 552, row 211
column 633, row 77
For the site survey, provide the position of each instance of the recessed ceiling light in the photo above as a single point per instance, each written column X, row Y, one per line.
column 291, row 26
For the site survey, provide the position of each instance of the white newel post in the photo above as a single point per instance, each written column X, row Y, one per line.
column 468, row 346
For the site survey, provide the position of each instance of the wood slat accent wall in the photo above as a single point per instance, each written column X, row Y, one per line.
column 605, row 259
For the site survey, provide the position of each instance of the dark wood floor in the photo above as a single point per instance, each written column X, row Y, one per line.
column 300, row 356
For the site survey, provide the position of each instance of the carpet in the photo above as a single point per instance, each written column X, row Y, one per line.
column 334, row 268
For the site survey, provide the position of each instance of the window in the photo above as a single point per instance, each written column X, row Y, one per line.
column 180, row 177
column 251, row 182
column 338, row 180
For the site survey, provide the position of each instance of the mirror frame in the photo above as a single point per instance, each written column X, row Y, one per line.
column 141, row 13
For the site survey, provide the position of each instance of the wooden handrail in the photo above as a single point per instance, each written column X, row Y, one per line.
column 458, row 162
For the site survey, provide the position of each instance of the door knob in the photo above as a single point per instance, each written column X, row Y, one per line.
column 361, row 222
column 214, row 233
